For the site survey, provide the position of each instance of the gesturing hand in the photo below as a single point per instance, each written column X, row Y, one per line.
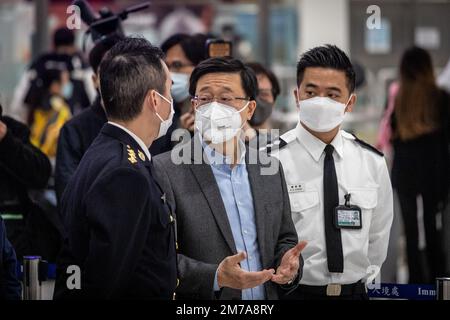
column 288, row 268
column 231, row 275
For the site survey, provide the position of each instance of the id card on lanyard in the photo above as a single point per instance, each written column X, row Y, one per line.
column 347, row 216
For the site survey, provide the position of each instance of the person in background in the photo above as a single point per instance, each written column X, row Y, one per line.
column 52, row 112
column 64, row 56
column 420, row 170
column 23, row 168
column 78, row 133
column 268, row 91
column 183, row 52
column 10, row 288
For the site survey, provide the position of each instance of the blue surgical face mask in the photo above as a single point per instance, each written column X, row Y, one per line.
column 180, row 86
column 67, row 90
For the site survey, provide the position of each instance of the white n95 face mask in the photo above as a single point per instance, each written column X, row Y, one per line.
column 165, row 124
column 218, row 122
column 321, row 114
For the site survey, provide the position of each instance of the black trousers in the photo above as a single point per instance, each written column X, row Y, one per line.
column 434, row 253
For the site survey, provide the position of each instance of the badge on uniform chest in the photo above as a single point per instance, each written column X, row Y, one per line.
column 298, row 187
column 347, row 216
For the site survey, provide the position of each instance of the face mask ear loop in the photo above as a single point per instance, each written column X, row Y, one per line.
column 160, row 118
column 243, row 123
column 348, row 101
column 346, row 105
column 244, row 107
column 168, row 101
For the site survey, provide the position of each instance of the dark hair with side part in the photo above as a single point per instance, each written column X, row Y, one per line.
column 172, row 41
column 226, row 65
column 330, row 57
column 127, row 72
column 194, row 47
column 258, row 68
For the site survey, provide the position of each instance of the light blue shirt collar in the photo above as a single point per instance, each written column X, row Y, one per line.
column 216, row 158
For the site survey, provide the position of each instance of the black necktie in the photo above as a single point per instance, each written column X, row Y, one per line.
column 331, row 201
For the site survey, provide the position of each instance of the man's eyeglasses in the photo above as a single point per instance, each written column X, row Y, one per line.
column 229, row 100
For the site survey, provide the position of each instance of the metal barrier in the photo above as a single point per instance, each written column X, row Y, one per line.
column 34, row 272
column 443, row 288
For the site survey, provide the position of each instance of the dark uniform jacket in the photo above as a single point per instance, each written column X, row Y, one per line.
column 119, row 230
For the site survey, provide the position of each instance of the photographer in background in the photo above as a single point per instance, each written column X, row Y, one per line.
column 78, row 133
column 64, row 56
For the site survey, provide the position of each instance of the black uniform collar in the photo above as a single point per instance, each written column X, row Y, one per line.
column 127, row 140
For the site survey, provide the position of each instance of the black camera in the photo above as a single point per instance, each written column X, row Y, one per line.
column 106, row 23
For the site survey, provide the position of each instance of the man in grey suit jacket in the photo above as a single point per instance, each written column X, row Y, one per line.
column 236, row 238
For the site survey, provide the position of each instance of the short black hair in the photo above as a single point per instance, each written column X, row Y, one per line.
column 226, row 65
column 327, row 56
column 258, row 68
column 63, row 37
column 127, row 72
column 101, row 47
column 172, row 41
column 194, row 47
column 50, row 76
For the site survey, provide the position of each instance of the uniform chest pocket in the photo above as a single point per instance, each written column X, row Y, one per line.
column 367, row 200
column 305, row 211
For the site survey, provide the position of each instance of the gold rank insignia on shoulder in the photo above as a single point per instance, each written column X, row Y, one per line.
column 131, row 155
column 141, row 155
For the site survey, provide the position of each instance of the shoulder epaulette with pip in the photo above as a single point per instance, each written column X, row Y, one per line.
column 277, row 144
column 367, row 146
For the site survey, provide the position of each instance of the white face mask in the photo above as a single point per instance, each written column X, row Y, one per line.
column 165, row 124
column 322, row 114
column 218, row 122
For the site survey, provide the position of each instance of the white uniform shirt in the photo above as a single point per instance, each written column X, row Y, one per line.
column 360, row 172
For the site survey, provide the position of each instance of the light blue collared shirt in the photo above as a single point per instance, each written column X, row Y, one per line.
column 237, row 197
